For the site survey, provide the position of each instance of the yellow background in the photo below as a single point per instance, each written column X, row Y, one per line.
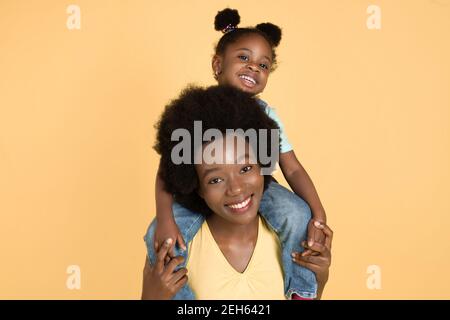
column 368, row 113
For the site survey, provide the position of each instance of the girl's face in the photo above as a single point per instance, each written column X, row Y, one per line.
column 231, row 190
column 245, row 64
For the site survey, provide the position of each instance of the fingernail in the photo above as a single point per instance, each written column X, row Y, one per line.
column 169, row 241
column 293, row 255
column 318, row 224
column 310, row 243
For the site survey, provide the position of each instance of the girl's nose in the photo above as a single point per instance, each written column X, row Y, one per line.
column 252, row 67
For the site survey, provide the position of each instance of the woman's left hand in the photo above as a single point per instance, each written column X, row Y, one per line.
column 320, row 263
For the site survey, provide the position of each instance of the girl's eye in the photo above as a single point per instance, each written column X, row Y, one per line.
column 246, row 169
column 244, row 58
column 214, row 181
column 264, row 66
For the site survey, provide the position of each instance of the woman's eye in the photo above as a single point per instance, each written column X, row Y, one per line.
column 244, row 58
column 246, row 169
column 214, row 181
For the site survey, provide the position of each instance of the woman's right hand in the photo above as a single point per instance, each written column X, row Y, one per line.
column 160, row 281
column 168, row 229
column 320, row 263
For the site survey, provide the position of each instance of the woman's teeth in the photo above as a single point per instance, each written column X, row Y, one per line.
column 248, row 78
column 240, row 205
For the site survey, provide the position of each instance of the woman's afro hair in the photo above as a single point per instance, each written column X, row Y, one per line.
column 219, row 107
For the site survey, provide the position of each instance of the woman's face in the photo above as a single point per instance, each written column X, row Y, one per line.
column 231, row 190
column 245, row 64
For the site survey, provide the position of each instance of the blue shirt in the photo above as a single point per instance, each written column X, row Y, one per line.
column 285, row 146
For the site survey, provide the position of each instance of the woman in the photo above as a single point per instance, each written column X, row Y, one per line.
column 235, row 255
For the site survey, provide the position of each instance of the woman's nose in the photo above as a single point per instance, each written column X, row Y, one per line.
column 234, row 188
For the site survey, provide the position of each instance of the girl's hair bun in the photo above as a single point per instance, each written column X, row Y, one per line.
column 226, row 17
column 272, row 31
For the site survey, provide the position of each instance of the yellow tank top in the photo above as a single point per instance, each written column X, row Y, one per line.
column 211, row 276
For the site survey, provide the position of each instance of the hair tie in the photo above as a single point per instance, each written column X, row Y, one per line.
column 228, row 28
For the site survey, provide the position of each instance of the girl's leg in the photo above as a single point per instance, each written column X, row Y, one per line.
column 189, row 223
column 289, row 215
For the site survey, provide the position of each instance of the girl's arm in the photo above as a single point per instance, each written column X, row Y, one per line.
column 166, row 226
column 164, row 201
column 301, row 184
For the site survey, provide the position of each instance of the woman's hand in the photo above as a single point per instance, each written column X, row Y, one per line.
column 160, row 281
column 168, row 229
column 320, row 263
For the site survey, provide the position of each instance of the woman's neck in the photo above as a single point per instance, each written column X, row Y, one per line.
column 224, row 229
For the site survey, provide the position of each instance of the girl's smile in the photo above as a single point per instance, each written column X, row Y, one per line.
column 248, row 80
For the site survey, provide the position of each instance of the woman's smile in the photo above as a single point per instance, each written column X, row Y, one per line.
column 240, row 207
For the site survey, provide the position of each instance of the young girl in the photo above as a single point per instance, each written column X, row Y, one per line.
column 244, row 58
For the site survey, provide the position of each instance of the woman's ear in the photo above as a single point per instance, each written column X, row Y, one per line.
column 200, row 192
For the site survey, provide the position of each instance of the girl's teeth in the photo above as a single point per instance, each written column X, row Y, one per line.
column 240, row 205
column 248, row 79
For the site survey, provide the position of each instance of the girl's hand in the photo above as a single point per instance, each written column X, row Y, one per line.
column 160, row 281
column 166, row 229
column 314, row 235
column 320, row 263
